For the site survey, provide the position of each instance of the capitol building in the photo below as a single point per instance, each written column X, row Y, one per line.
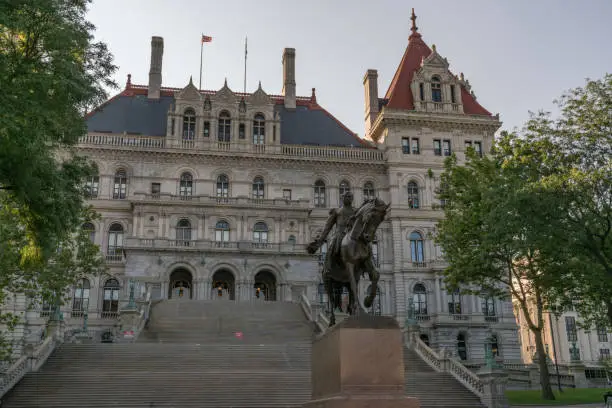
column 214, row 194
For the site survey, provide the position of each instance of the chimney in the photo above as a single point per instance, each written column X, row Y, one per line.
column 370, row 85
column 289, row 77
column 155, row 78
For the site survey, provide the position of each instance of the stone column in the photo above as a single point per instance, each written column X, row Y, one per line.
column 438, row 295
column 576, row 369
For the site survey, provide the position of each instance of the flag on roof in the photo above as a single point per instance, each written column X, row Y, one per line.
column 206, row 38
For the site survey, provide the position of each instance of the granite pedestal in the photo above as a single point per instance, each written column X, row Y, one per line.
column 359, row 363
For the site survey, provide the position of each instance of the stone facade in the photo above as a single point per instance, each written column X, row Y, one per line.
column 223, row 201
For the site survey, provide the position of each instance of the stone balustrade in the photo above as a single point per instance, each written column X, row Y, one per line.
column 217, row 246
column 246, row 202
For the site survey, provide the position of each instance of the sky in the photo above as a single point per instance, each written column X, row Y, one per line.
column 518, row 55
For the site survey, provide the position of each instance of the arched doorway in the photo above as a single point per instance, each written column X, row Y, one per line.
column 265, row 286
column 180, row 284
column 461, row 346
column 223, row 285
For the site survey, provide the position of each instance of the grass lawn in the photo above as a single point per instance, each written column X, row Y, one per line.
column 567, row 397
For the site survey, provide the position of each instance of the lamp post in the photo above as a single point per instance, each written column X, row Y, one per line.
column 131, row 302
column 85, row 314
column 554, row 344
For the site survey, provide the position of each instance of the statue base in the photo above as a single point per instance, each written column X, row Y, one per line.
column 359, row 363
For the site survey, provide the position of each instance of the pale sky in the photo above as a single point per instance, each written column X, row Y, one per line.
column 518, row 55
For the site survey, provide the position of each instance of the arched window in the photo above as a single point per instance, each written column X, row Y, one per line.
column 91, row 187
column 222, row 186
column 420, row 299
column 259, row 129
column 110, row 298
column 80, row 300
column 260, row 232
column 292, row 240
column 436, row 89
column 462, row 346
column 189, row 124
column 413, row 195
column 488, row 306
column 343, row 188
column 185, row 186
column 225, row 125
column 258, row 188
column 183, row 233
column 319, row 194
column 416, row 248
column 454, row 303
column 222, row 232
column 90, row 230
column 120, row 185
column 368, row 191
column 115, row 241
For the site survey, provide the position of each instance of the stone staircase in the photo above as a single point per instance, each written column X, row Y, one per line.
column 189, row 356
column 435, row 389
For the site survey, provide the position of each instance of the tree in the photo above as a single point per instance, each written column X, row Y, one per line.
column 51, row 71
column 490, row 233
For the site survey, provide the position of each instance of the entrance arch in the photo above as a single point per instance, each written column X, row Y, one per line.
column 223, row 285
column 265, row 286
column 180, row 284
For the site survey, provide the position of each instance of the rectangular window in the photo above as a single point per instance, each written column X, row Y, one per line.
column 446, row 145
column 570, row 328
column 287, row 194
column 91, row 187
column 155, row 189
column 437, row 147
column 421, row 91
column 172, row 123
column 453, row 97
column 241, row 131
column 468, row 144
column 478, row 148
column 602, row 334
column 206, row 131
column 405, row 145
column 604, row 354
column 274, row 133
column 415, row 146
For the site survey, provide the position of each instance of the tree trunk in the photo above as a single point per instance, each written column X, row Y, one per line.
column 547, row 392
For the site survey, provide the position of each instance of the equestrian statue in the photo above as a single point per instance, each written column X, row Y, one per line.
column 349, row 254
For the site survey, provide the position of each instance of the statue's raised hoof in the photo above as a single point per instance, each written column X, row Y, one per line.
column 368, row 301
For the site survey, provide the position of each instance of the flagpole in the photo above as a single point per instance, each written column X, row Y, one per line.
column 201, row 52
column 245, row 62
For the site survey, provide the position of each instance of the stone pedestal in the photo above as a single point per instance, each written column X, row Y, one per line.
column 359, row 363
column 494, row 381
column 577, row 369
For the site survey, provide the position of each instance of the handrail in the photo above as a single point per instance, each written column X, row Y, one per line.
column 427, row 354
column 466, row 377
column 306, row 307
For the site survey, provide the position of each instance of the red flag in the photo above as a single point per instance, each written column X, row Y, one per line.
column 206, row 38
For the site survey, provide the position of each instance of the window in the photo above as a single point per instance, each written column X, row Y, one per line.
column 468, row 144
column 446, row 146
column 292, row 240
column 206, row 129
column 259, row 129
column 258, row 188
column 260, row 232
column 413, row 195
column 454, row 304
column 110, row 302
column 155, row 190
column 183, row 233
column 115, row 240
column 186, row 186
column 478, row 148
column 222, row 231
column 415, row 146
column 90, row 230
column 422, row 91
column 368, row 191
column 375, row 251
column 172, row 126
column 416, row 247
column 222, row 186
column 287, row 194
column 452, row 94
column 494, row 345
column 274, row 133
column 189, row 124
column 91, row 187
column 604, row 354
column 319, row 194
column 80, row 300
column 225, row 125
column 419, row 299
column 343, row 188
column 602, row 334
column 570, row 328
column 436, row 89
column 441, row 191
column 120, row 185
column 437, row 147
column 405, row 145
column 241, row 131
column 488, row 306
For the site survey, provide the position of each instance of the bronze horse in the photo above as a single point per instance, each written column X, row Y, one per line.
column 354, row 258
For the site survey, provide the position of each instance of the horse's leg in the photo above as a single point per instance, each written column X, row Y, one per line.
column 355, row 306
column 329, row 288
column 374, row 275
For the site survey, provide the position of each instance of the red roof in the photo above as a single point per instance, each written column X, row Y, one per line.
column 399, row 94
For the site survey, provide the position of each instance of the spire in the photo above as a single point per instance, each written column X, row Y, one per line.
column 313, row 97
column 190, row 79
column 414, row 27
column 128, row 84
column 225, row 83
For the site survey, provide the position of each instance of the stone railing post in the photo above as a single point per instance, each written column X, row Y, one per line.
column 494, row 383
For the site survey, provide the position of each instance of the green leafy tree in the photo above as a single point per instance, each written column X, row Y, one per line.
column 490, row 233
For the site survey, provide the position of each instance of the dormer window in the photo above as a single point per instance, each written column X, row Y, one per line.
column 422, row 91
column 225, row 124
column 452, row 94
column 189, row 124
column 436, row 89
